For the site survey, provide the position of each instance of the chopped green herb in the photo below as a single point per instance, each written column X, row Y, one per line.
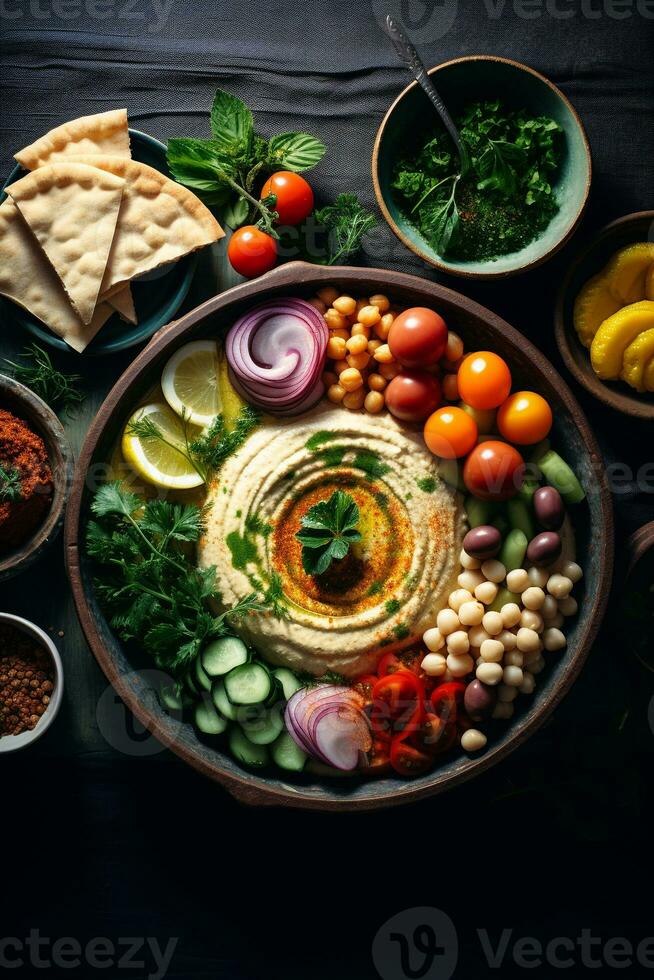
column 319, row 439
column 11, row 487
column 375, row 588
column 371, row 464
column 58, row 390
column 427, row 484
column 401, row 631
column 392, row 606
column 346, row 223
column 243, row 549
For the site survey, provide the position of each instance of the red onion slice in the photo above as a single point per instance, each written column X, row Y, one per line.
column 328, row 723
column 276, row 354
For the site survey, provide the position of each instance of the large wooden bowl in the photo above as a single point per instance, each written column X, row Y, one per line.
column 572, row 434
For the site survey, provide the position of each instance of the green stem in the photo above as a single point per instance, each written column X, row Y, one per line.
column 261, row 208
column 433, row 188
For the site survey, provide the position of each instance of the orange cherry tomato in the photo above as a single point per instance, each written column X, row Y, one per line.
column 525, row 417
column 413, row 395
column 251, row 252
column 294, row 197
column 494, row 471
column 418, row 337
column 484, row 380
column 450, row 432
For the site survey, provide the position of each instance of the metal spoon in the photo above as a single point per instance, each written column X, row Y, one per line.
column 408, row 54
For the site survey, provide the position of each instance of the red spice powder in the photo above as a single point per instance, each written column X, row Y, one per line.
column 24, row 451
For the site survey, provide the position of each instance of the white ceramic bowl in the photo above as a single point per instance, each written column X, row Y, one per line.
column 10, row 743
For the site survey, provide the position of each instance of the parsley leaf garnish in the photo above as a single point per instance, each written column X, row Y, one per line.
column 11, row 487
column 328, row 530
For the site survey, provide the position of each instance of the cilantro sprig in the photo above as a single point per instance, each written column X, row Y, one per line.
column 345, row 223
column 11, row 487
column 327, row 531
column 147, row 580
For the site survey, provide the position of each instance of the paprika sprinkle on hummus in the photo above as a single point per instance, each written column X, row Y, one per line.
column 26, row 484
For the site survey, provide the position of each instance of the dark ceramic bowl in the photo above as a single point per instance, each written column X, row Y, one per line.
column 467, row 80
column 24, row 404
column 637, row 227
column 480, row 329
column 157, row 295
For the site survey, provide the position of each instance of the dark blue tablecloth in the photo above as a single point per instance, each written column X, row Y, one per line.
column 98, row 845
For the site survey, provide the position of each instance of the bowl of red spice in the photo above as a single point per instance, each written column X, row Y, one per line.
column 31, row 682
column 36, row 467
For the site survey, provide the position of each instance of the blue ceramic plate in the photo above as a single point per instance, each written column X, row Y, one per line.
column 157, row 295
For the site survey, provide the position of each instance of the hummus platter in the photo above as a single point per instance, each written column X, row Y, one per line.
column 343, row 534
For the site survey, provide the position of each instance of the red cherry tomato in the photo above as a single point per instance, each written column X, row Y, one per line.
column 388, row 664
column 494, row 471
column 407, row 760
column 418, row 337
column 450, row 432
column 525, row 418
column 294, row 197
column 251, row 252
column 413, row 395
column 484, row 380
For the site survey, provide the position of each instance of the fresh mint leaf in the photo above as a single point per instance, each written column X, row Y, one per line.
column 200, row 165
column 295, row 151
column 232, row 124
column 327, row 531
column 236, row 212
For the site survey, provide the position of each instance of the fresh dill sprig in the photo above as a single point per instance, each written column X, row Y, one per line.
column 345, row 222
column 37, row 372
column 11, row 487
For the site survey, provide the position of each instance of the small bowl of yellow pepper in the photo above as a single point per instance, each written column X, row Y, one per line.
column 604, row 318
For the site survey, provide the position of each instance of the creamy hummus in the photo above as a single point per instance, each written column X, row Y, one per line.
column 391, row 585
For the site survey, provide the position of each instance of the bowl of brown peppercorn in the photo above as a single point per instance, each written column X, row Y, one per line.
column 31, row 682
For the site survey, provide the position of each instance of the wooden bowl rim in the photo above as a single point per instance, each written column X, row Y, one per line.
column 60, row 455
column 295, row 275
column 621, row 401
column 397, row 231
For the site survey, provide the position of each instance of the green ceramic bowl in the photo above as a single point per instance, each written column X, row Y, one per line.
column 471, row 79
column 157, row 295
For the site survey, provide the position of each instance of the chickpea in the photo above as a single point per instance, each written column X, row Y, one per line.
column 528, row 641
column 470, row 579
column 554, row 639
column 533, row 597
column 334, row 320
column 568, row 606
column 373, row 345
column 328, row 294
column 473, row 740
column 458, row 643
column 451, row 387
column 492, row 623
column 336, row 393
column 532, row 620
column 374, row 402
column 489, row 673
column 494, row 570
column 382, row 329
column 486, row 592
column 528, row 683
column 369, row 316
column 360, row 330
column 517, row 581
column 510, row 614
column 514, row 659
column 559, row 586
column 357, row 344
column 389, row 371
column 508, row 640
column 329, row 379
column 354, row 399
column 350, row 379
column 468, row 562
column 340, row 366
column 376, row 382
column 345, row 305
column 550, row 607
column 460, row 664
column 318, row 305
column 433, row 639
column 343, row 334
column 358, row 361
column 383, row 354
column 471, row 613
column 447, row 621
column 506, row 694
column 382, row 302
column 434, row 664
column 336, row 348
column 492, row 651
column 457, row 598
column 477, row 635
column 572, row 571
column 454, row 348
column 513, row 676
column 538, row 577
column 361, row 302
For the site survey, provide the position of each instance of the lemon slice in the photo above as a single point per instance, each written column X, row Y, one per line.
column 161, row 463
column 190, row 382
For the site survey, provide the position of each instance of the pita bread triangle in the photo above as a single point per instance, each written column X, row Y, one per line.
column 103, row 132
column 72, row 210
column 123, row 302
column 27, row 278
column 159, row 220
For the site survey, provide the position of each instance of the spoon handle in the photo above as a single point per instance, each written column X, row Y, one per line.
column 412, row 60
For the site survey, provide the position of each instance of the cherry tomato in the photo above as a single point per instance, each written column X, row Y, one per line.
column 388, row 664
column 418, row 337
column 251, row 252
column 494, row 471
column 413, row 395
column 450, row 432
column 435, row 736
column 294, row 197
column 525, row 418
column 407, row 760
column 484, row 380
column 447, row 699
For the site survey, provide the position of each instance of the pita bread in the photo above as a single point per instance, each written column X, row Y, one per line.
column 27, row 278
column 123, row 302
column 159, row 221
column 104, row 132
column 72, row 210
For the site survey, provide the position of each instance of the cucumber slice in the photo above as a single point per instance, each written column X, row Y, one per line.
column 191, row 684
column 222, row 655
column 245, row 751
column 202, row 679
column 248, row 684
column 559, row 475
column 207, row 719
column 266, row 728
column 288, row 680
column 222, row 702
column 170, row 698
column 287, row 754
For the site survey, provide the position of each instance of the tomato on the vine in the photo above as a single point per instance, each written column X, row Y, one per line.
column 251, row 251
column 294, row 196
